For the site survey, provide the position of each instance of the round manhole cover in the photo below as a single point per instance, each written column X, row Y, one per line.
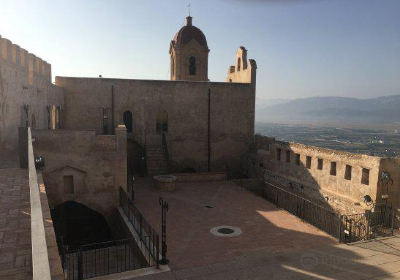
column 226, row 231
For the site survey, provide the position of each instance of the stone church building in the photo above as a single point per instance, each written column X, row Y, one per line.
column 207, row 125
column 187, row 124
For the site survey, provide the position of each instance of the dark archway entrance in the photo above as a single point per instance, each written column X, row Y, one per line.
column 128, row 121
column 79, row 225
column 135, row 158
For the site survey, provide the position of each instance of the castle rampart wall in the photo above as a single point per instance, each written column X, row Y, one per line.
column 25, row 80
column 339, row 178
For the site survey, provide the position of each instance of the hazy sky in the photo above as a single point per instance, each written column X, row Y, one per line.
column 302, row 47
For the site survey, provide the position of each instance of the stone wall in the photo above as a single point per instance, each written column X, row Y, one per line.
column 186, row 103
column 97, row 167
column 24, row 80
column 56, row 269
column 321, row 173
column 244, row 70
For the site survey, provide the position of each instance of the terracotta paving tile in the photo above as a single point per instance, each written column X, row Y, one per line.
column 190, row 242
column 15, row 230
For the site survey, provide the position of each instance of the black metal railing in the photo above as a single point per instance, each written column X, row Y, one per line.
column 141, row 225
column 346, row 228
column 368, row 225
column 312, row 213
column 99, row 259
column 130, row 179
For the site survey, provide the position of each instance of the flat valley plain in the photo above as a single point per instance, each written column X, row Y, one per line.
column 375, row 139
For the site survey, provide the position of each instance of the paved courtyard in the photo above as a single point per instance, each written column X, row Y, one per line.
column 15, row 225
column 273, row 244
column 190, row 219
column 9, row 160
column 326, row 262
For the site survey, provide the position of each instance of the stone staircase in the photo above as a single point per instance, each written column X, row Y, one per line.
column 156, row 160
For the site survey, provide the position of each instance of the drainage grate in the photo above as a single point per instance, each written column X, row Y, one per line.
column 226, row 230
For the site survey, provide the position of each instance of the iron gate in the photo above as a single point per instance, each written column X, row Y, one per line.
column 94, row 260
column 368, row 225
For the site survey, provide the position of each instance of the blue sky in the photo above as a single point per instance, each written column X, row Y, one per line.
column 303, row 47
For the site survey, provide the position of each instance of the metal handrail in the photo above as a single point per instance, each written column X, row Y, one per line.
column 317, row 215
column 105, row 258
column 299, row 197
column 140, row 224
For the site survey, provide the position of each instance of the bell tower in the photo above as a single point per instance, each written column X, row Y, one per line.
column 189, row 54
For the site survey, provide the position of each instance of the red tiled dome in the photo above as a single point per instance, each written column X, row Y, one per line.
column 189, row 32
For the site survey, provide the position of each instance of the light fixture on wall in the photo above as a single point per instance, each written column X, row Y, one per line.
column 386, row 176
column 384, row 182
column 368, row 200
column 39, row 162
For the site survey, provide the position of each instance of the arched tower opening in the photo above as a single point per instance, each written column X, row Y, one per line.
column 192, row 66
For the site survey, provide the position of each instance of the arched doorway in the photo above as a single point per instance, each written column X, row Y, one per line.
column 128, row 121
column 162, row 121
column 79, row 225
column 135, row 158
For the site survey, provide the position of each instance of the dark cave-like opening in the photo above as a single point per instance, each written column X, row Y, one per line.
column 78, row 225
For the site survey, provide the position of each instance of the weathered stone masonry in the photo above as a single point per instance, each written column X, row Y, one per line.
column 26, row 94
column 338, row 179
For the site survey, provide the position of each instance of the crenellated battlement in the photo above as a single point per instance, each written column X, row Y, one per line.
column 19, row 58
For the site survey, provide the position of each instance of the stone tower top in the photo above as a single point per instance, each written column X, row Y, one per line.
column 189, row 54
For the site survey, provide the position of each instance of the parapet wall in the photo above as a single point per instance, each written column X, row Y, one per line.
column 341, row 179
column 21, row 59
column 244, row 70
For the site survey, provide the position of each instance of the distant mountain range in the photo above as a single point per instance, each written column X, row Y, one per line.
column 386, row 108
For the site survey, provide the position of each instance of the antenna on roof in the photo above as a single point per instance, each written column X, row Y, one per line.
column 189, row 5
